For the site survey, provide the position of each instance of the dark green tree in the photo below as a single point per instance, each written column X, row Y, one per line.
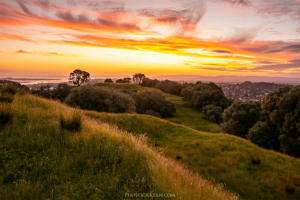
column 100, row 99
column 264, row 135
column 154, row 103
column 138, row 78
column 78, row 77
column 240, row 117
column 108, row 80
column 203, row 94
column 213, row 113
column 283, row 108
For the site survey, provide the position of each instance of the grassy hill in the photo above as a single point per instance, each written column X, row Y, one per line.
column 39, row 160
column 184, row 114
column 252, row 172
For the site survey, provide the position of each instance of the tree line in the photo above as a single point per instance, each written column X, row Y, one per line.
column 272, row 123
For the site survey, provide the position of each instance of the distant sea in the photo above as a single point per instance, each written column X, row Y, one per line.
column 33, row 80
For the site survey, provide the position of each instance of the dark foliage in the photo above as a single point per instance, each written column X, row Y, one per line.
column 213, row 113
column 6, row 116
column 154, row 103
column 283, row 108
column 78, row 77
column 203, row 94
column 100, row 99
column 43, row 91
column 6, row 98
column 147, row 82
column 108, row 80
column 8, row 89
column 61, row 92
column 138, row 78
column 171, row 87
column 264, row 135
column 73, row 123
column 124, row 80
column 240, row 117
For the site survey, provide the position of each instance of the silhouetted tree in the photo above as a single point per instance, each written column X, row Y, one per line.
column 108, row 80
column 138, row 78
column 124, row 80
column 147, row 82
column 78, row 77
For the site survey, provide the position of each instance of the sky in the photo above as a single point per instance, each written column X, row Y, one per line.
column 154, row 37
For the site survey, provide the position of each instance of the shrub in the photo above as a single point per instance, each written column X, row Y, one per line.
column 203, row 94
column 154, row 103
column 283, row 108
column 213, row 113
column 72, row 123
column 171, row 87
column 6, row 115
column 240, row 117
column 108, row 80
column 263, row 135
column 147, row 82
column 61, row 92
column 9, row 89
column 6, row 98
column 100, row 99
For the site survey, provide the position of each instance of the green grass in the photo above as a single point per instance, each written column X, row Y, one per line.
column 188, row 116
column 252, row 172
column 184, row 115
column 38, row 160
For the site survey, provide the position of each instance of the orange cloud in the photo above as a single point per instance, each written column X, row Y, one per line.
column 4, row 36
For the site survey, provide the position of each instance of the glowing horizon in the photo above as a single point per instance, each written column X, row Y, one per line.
column 158, row 37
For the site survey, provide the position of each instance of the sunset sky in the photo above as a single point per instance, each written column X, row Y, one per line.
column 155, row 37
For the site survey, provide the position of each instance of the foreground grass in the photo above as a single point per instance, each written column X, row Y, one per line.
column 250, row 171
column 184, row 113
column 39, row 160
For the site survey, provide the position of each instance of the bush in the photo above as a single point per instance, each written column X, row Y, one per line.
column 147, row 82
column 171, row 87
column 73, row 123
column 283, row 108
column 154, row 103
column 203, row 94
column 6, row 116
column 240, row 117
column 61, row 92
column 100, row 99
column 6, row 98
column 9, row 89
column 263, row 135
column 108, row 80
column 213, row 113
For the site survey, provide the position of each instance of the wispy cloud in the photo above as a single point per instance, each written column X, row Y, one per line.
column 21, row 51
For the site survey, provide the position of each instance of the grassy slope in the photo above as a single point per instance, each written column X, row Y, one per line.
column 220, row 157
column 40, row 161
column 184, row 114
